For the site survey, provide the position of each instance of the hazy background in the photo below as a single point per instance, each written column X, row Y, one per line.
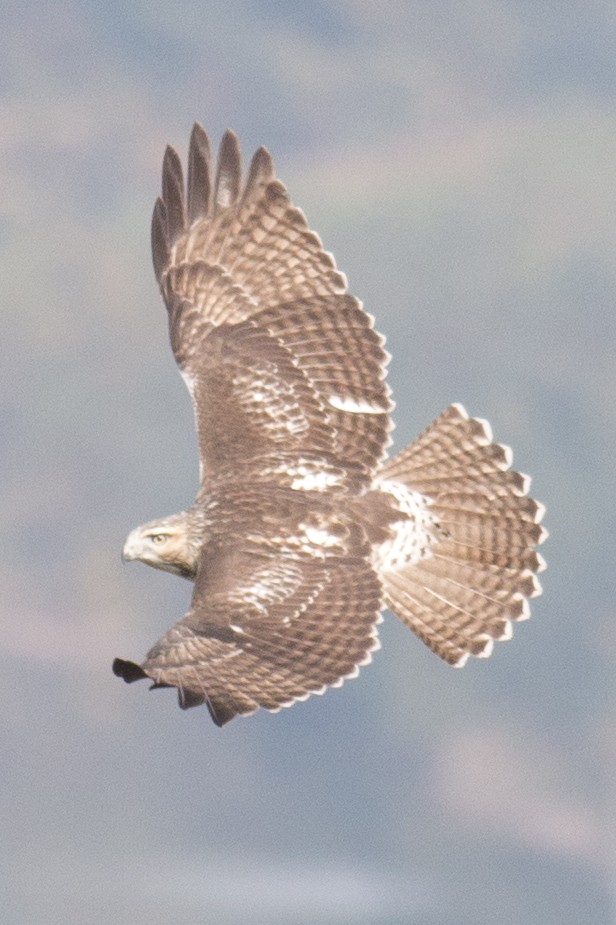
column 459, row 160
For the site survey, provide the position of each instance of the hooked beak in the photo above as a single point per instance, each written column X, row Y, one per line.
column 131, row 548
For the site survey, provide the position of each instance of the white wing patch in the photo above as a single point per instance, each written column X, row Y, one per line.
column 307, row 480
column 321, row 537
column 190, row 382
column 355, row 407
column 190, row 385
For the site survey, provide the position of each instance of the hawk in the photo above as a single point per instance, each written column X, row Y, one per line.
column 302, row 532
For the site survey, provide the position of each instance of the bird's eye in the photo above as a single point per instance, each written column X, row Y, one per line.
column 158, row 538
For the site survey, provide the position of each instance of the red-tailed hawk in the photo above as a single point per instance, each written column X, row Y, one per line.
column 301, row 532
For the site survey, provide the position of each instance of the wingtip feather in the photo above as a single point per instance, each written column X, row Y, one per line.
column 173, row 193
column 128, row 671
column 228, row 173
column 160, row 238
column 199, row 180
column 261, row 167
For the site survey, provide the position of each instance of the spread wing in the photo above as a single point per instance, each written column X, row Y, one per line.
column 283, row 365
column 263, row 632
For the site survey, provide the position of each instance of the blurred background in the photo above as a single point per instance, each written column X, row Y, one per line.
column 458, row 159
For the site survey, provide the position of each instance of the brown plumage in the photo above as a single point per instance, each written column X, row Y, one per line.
column 300, row 533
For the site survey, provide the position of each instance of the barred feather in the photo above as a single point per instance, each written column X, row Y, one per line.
column 300, row 535
column 478, row 564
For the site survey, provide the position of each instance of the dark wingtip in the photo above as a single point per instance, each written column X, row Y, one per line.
column 229, row 170
column 220, row 711
column 129, row 671
column 260, row 173
column 173, row 194
column 160, row 238
column 199, row 157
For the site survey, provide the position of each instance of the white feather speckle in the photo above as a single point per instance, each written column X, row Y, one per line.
column 307, row 480
column 190, row 382
column 354, row 406
column 411, row 538
column 320, row 537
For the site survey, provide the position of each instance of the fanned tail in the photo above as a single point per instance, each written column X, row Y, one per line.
column 461, row 562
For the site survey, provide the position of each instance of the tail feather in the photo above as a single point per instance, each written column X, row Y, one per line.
column 484, row 580
column 445, row 625
column 513, row 560
column 493, row 484
column 512, row 507
column 465, row 563
column 489, row 530
column 494, row 457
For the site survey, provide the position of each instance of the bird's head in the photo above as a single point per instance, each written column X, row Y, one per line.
column 166, row 543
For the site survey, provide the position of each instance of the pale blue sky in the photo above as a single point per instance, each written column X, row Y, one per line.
column 458, row 159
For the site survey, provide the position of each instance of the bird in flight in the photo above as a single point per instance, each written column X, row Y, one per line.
column 302, row 531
